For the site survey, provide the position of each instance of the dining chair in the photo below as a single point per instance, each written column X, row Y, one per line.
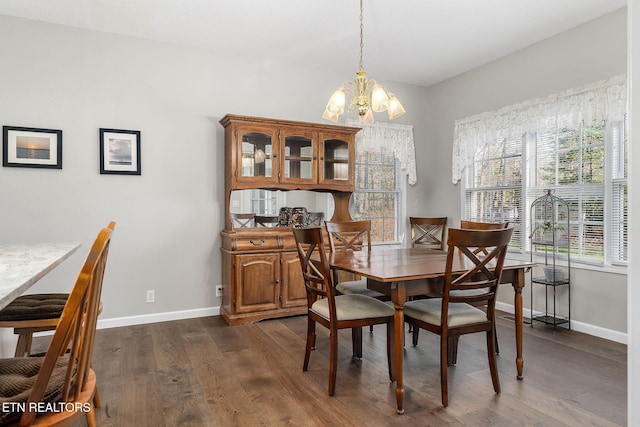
column 428, row 232
column 333, row 311
column 455, row 315
column 316, row 218
column 63, row 377
column 267, row 220
column 352, row 236
column 33, row 313
column 243, row 220
column 475, row 225
column 469, row 225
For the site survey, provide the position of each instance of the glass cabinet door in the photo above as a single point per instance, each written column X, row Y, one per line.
column 334, row 158
column 300, row 156
column 256, row 154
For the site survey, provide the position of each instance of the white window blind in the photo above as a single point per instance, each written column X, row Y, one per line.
column 618, row 223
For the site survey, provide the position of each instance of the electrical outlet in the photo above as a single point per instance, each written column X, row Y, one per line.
column 151, row 296
column 219, row 290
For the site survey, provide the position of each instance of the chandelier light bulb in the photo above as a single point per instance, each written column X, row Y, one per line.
column 379, row 98
column 368, row 117
column 395, row 107
column 337, row 102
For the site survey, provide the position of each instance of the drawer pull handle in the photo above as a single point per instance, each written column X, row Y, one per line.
column 260, row 243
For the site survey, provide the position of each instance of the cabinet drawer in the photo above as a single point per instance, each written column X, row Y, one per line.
column 255, row 242
column 288, row 241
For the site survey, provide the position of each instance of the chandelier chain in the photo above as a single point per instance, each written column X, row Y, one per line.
column 361, row 68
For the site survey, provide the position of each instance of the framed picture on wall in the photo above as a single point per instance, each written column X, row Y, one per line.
column 120, row 151
column 31, row 147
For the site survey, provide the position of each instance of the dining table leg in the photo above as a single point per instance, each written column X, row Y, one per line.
column 518, row 285
column 399, row 297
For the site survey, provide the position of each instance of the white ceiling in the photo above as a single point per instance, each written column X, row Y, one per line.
column 413, row 41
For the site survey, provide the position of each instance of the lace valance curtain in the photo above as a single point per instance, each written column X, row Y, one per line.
column 398, row 138
column 603, row 100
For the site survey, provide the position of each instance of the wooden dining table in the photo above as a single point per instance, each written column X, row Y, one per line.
column 22, row 265
column 406, row 272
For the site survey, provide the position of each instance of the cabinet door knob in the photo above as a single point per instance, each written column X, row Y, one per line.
column 254, row 243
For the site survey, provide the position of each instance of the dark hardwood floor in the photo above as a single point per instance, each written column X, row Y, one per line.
column 200, row 372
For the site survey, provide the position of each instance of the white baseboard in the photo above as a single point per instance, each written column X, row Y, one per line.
column 117, row 322
column 585, row 328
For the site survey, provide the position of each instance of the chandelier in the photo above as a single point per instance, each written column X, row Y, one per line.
column 366, row 95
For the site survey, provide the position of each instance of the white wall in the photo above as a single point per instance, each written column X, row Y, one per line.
column 591, row 52
column 168, row 219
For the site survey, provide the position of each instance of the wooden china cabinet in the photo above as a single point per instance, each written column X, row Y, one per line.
column 261, row 276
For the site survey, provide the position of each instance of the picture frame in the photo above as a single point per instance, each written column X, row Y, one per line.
column 31, row 147
column 120, row 152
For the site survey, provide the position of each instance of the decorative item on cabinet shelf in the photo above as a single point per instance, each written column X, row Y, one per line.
column 285, row 216
column 297, row 217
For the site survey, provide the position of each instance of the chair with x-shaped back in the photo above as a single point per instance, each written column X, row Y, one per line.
column 455, row 315
column 352, row 236
column 428, row 232
column 267, row 220
column 316, row 218
column 474, row 225
column 243, row 220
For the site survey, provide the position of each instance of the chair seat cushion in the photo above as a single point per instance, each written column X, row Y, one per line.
column 36, row 306
column 17, row 377
column 353, row 307
column 428, row 310
column 357, row 287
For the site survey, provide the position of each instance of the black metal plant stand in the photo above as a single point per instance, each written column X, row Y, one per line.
column 550, row 247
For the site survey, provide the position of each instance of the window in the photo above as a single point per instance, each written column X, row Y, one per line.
column 385, row 162
column 581, row 158
column 264, row 202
